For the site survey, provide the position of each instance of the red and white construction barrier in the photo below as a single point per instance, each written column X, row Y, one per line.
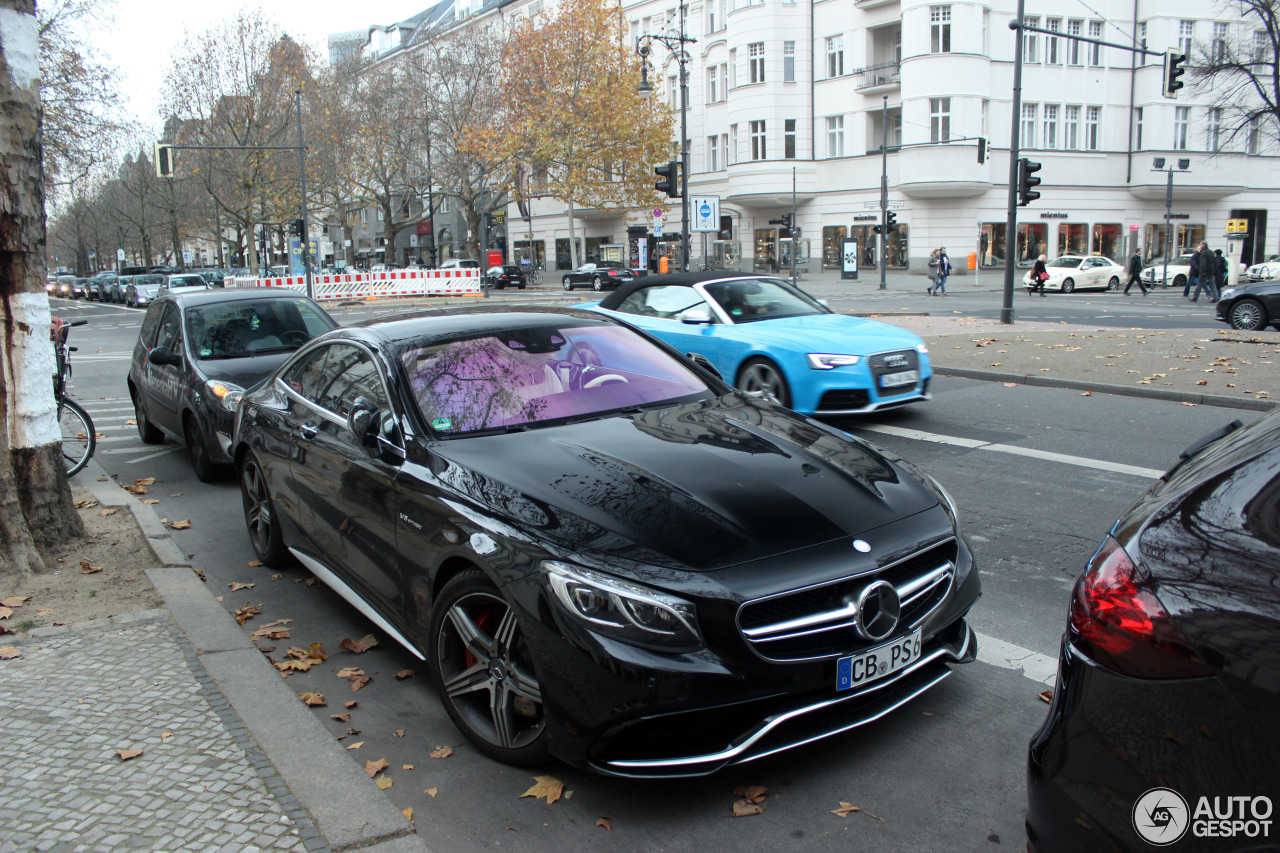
column 461, row 282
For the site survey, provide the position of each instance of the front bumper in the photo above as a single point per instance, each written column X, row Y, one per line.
column 853, row 390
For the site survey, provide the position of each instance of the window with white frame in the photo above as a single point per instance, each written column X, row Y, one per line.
column 1073, row 46
column 986, row 117
column 939, row 119
column 733, row 68
column 755, row 61
column 635, row 31
column 724, row 147
column 1053, row 44
column 1181, row 118
column 1095, row 50
column 1029, row 113
column 1137, row 129
column 835, row 56
column 1261, row 46
column 646, row 26
column 788, row 62
column 789, row 138
column 1092, row 136
column 713, row 84
column 724, row 81
column 364, row 216
column 1213, row 129
column 1030, row 41
column 1050, row 125
column 759, row 150
column 1071, row 127
column 835, row 136
column 713, row 153
column 734, row 151
column 1142, row 42
column 673, row 91
column 1186, row 35
column 986, row 34
column 939, row 29
column 1253, row 144
column 1220, row 31
column 382, row 215
column 711, row 18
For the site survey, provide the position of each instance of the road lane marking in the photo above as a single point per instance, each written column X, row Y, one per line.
column 1041, row 669
column 1048, row 456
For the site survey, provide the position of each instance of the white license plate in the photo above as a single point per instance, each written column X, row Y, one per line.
column 857, row 670
column 905, row 377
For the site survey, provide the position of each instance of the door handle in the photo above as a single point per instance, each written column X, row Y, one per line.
column 308, row 431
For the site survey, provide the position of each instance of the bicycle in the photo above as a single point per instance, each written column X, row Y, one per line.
column 534, row 276
column 78, row 437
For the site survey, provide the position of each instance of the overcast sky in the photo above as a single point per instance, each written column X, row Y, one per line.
column 145, row 33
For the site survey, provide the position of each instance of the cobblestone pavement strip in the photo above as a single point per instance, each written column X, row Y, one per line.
column 77, row 696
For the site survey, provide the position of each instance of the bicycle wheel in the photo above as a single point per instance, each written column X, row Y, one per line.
column 535, row 277
column 78, row 439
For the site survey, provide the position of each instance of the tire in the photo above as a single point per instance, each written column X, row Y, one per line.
column 568, row 285
column 596, row 284
column 147, row 431
column 1247, row 315
column 207, row 471
column 260, row 514
column 78, row 438
column 760, row 377
column 1068, row 285
column 1179, row 281
column 483, row 672
column 1113, row 284
column 521, row 286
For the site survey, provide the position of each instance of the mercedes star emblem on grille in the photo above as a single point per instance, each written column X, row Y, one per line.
column 878, row 611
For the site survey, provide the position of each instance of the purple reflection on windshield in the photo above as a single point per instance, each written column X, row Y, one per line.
column 526, row 376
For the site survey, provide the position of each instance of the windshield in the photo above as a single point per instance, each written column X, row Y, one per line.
column 1071, row 263
column 747, row 300
column 526, row 377
column 245, row 328
column 187, row 281
column 148, row 279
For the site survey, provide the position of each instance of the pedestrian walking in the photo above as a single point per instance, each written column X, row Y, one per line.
column 1220, row 278
column 1039, row 275
column 933, row 272
column 1193, row 275
column 1135, row 270
column 1206, row 266
column 944, row 270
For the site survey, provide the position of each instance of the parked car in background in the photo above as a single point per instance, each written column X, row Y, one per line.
column 62, row 287
column 196, row 353
column 1179, row 270
column 1265, row 271
column 183, row 282
column 80, row 288
column 507, row 276
column 116, row 291
column 1167, row 680
column 541, row 508
column 1250, row 307
column 143, row 289
column 214, row 277
column 460, row 264
column 601, row 275
column 100, row 286
column 775, row 341
column 1069, row 273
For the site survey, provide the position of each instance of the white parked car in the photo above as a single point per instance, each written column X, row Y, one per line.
column 185, row 283
column 1081, row 272
column 460, row 264
column 1265, row 271
column 1179, row 270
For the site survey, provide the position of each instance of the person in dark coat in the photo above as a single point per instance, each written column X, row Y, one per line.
column 1039, row 275
column 1135, row 270
column 1206, row 265
column 1220, row 278
column 1193, row 275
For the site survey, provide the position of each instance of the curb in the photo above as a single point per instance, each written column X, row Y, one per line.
column 1106, row 388
column 345, row 806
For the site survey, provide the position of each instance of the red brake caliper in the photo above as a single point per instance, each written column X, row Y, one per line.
column 481, row 621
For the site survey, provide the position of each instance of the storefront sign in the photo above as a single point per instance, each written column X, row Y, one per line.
column 864, row 217
column 1055, row 216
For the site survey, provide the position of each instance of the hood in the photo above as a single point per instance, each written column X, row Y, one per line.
column 700, row 487
column 245, row 372
column 830, row 333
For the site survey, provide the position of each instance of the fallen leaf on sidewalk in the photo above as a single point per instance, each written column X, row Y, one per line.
column 9, row 653
column 742, row 808
column 359, row 647
column 244, row 614
column 150, row 501
column 752, row 793
column 1046, row 695
column 355, row 745
column 181, row 525
column 847, row 809
column 137, row 490
column 406, row 766
column 145, row 481
column 442, row 752
column 1011, row 384
column 384, row 782
column 1087, row 394
column 431, row 791
column 359, row 681
column 342, row 718
column 86, row 569
column 237, row 585
column 313, row 699
column 407, row 812
column 548, row 787
column 126, row 754
column 86, row 504
column 108, row 511
column 254, row 563
column 350, row 671
column 605, row 822
column 402, row 674
column 373, row 768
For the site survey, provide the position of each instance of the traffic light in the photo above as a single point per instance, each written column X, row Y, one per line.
column 784, row 221
column 295, row 227
column 164, row 160
column 1027, row 180
column 890, row 220
column 1173, row 62
column 879, row 229
column 670, row 183
column 982, row 149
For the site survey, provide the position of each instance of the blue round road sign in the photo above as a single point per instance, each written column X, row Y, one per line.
column 705, row 210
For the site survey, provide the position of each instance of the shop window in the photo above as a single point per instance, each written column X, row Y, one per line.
column 896, row 247
column 766, row 257
column 1187, row 238
column 1072, row 238
column 1154, row 239
column 832, row 244
column 1033, row 241
column 866, row 242
column 1107, row 241
column 991, row 244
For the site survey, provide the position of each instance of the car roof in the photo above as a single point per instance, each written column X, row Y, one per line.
column 683, row 279
column 447, row 323
column 216, row 295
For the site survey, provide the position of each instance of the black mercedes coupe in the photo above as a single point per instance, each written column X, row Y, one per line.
column 603, row 552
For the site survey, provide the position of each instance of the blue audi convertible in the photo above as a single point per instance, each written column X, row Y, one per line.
column 773, row 340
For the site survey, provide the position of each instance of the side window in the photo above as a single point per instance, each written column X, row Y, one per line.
column 349, row 373
column 150, row 324
column 170, row 332
column 304, row 376
column 666, row 301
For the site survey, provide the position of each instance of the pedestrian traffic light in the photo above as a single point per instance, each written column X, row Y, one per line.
column 164, row 160
column 879, row 229
column 786, row 221
column 890, row 220
column 1027, row 180
column 295, row 227
column 1173, row 62
column 982, row 149
column 670, row 183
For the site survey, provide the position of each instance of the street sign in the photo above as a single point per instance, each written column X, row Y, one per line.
column 657, row 213
column 871, row 205
column 1237, row 226
column 706, row 213
column 413, row 241
column 119, row 254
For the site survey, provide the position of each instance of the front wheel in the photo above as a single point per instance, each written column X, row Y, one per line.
column 260, row 514
column 760, row 377
column 568, row 285
column 596, row 284
column 206, row 469
column 483, row 671
column 1248, row 315
column 1068, row 285
column 78, row 439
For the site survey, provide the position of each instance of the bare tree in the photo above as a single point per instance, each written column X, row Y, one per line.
column 1241, row 71
column 35, row 499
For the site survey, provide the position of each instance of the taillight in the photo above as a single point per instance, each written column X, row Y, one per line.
column 613, row 273
column 1117, row 620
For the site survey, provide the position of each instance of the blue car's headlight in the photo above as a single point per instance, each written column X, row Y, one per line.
column 922, row 349
column 829, row 361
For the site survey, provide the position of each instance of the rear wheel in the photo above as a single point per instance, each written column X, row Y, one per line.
column 596, row 284
column 760, row 377
column 148, row 432
column 483, row 671
column 1248, row 315
column 1113, row 284
column 260, row 514
column 1179, row 281
column 568, row 285
column 78, row 439
column 1068, row 285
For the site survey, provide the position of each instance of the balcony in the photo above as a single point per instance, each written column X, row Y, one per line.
column 877, row 79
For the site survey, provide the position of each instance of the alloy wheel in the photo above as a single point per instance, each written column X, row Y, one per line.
column 762, row 379
column 1247, row 315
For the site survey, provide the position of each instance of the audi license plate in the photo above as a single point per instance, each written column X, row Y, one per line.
column 905, row 377
column 857, row 670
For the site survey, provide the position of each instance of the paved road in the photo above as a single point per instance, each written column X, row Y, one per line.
column 1038, row 478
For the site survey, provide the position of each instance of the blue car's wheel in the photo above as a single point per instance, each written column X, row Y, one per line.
column 760, row 377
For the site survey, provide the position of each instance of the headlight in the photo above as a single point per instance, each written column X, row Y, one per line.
column 1228, row 293
column 227, row 394
column 922, row 349
column 824, row 361
column 624, row 610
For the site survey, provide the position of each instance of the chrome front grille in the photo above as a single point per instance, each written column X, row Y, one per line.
column 818, row 622
column 892, row 362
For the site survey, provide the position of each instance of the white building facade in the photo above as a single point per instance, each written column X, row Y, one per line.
column 803, row 91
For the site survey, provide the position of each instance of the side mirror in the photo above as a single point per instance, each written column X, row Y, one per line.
column 164, row 355
column 705, row 363
column 697, row 316
column 361, row 419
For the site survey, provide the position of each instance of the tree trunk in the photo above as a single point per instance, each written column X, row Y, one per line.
column 35, row 500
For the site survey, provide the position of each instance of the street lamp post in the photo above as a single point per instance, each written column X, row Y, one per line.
column 674, row 43
column 1183, row 165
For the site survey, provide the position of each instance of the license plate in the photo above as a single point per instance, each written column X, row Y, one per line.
column 880, row 662
column 905, row 377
